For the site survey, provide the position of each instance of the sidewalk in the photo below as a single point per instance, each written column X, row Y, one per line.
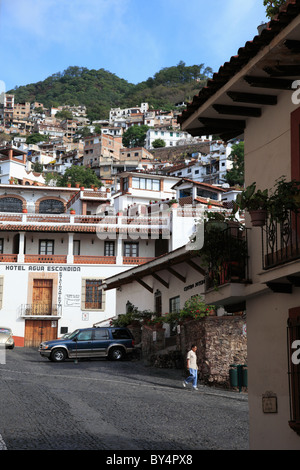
column 174, row 378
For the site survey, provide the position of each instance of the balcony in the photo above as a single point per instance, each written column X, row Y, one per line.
column 40, row 310
column 79, row 259
column 136, row 260
column 225, row 257
column 59, row 259
column 281, row 240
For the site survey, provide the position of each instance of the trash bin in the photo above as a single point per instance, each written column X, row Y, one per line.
column 245, row 376
column 238, row 376
column 233, row 375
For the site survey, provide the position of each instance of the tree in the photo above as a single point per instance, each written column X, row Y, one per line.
column 235, row 176
column 135, row 136
column 273, row 7
column 64, row 114
column 78, row 174
column 37, row 167
column 157, row 143
column 36, row 138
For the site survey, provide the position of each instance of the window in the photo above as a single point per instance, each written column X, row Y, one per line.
column 101, row 333
column 125, row 184
column 109, row 248
column 120, row 334
column 85, row 335
column 131, row 249
column 157, row 302
column 185, row 192
column 145, row 183
column 207, row 194
column 92, row 294
column 76, row 247
column 46, row 247
column 1, row 245
column 51, row 206
column 174, row 304
column 10, row 204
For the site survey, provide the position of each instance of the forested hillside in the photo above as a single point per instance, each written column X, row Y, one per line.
column 101, row 90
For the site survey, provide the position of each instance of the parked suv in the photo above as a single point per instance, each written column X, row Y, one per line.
column 110, row 342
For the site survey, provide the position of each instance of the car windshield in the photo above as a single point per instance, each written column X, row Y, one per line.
column 5, row 330
column 72, row 335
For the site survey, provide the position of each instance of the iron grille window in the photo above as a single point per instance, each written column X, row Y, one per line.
column 46, row 247
column 93, row 294
column 51, row 206
column 10, row 204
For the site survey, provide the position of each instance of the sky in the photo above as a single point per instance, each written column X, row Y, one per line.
column 133, row 39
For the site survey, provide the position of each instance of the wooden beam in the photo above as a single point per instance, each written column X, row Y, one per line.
column 283, row 70
column 176, row 274
column 292, row 45
column 196, row 266
column 159, row 279
column 253, row 98
column 223, row 124
column 280, row 287
column 237, row 110
column 266, row 82
column 150, row 289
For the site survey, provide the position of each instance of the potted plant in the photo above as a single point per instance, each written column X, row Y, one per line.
column 256, row 202
column 72, row 211
column 285, row 198
column 195, row 308
column 172, row 203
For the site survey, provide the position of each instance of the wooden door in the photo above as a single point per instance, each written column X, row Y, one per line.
column 42, row 297
column 37, row 331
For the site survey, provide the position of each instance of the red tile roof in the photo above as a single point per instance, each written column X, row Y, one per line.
column 287, row 14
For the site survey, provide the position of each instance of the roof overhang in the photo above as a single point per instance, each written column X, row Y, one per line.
column 250, row 81
column 164, row 262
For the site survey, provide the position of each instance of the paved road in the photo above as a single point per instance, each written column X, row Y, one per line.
column 103, row 405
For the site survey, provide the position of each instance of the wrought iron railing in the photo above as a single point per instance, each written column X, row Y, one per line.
column 37, row 309
column 281, row 240
column 227, row 252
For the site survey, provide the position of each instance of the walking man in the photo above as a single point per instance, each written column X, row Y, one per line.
column 192, row 367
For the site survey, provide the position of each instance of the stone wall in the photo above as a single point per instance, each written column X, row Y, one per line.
column 153, row 340
column 220, row 342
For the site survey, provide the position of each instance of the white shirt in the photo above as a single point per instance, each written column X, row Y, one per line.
column 191, row 356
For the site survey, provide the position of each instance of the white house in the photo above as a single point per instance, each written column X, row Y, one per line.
column 53, row 262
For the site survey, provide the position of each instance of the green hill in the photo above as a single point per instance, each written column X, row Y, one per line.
column 100, row 90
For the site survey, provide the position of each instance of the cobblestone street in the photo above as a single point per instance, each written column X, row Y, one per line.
column 103, row 405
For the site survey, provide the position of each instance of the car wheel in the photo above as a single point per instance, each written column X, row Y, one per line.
column 58, row 355
column 116, row 354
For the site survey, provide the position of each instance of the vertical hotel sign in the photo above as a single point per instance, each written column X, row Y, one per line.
column 59, row 297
